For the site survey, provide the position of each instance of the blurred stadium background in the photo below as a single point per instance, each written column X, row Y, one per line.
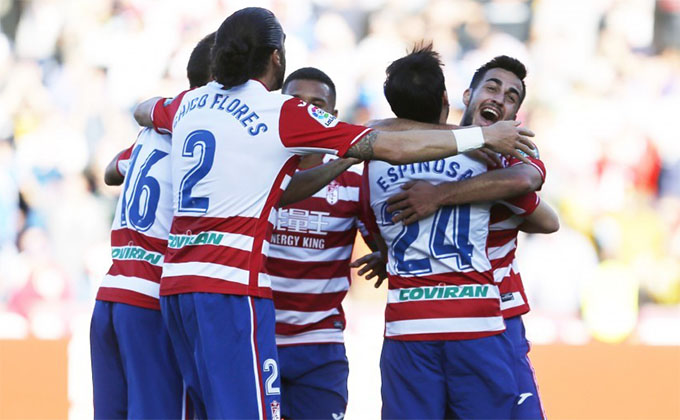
column 603, row 98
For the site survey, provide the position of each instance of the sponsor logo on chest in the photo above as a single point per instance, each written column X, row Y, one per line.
column 443, row 293
column 332, row 192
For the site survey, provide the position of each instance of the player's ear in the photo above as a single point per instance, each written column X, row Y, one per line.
column 466, row 97
column 335, row 113
column 276, row 58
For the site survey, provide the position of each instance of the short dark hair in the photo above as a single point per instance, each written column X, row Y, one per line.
column 198, row 67
column 504, row 62
column 243, row 44
column 415, row 85
column 310, row 73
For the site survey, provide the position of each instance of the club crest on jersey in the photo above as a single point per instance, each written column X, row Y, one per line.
column 276, row 410
column 332, row 192
column 322, row 117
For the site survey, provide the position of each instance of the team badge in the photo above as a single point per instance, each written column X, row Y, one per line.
column 322, row 117
column 332, row 192
column 276, row 410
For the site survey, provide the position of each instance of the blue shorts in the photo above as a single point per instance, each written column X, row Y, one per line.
column 529, row 403
column 314, row 381
column 467, row 379
column 134, row 371
column 226, row 350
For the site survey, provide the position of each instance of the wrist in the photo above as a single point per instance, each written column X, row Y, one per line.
column 468, row 138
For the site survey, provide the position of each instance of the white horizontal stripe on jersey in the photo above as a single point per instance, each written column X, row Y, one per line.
column 357, row 168
column 513, row 208
column 500, row 273
column 517, row 300
column 443, row 325
column 217, row 271
column 232, row 240
column 344, row 193
column 507, row 224
column 136, row 253
column 136, row 284
column 333, row 335
column 303, row 318
column 264, row 280
column 312, row 286
column 449, row 292
column 310, row 150
column 311, row 254
column 497, row 252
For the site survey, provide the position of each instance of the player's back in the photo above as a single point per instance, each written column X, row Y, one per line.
column 233, row 154
column 141, row 223
column 441, row 283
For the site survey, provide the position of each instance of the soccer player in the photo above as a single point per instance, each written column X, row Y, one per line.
column 234, row 147
column 486, row 102
column 308, row 264
column 134, row 370
column 443, row 353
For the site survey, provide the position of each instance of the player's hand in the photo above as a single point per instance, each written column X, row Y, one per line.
column 418, row 200
column 374, row 265
column 487, row 156
column 508, row 138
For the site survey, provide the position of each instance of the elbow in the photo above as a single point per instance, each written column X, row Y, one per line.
column 554, row 225
column 139, row 115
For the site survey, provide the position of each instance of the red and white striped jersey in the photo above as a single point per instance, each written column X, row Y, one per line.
column 139, row 233
column 506, row 216
column 309, row 258
column 233, row 152
column 441, row 284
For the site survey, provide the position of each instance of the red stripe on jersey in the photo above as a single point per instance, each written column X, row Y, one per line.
column 512, row 284
column 342, row 208
column 498, row 238
column 328, row 323
column 505, row 261
column 453, row 308
column 443, row 336
column 456, row 279
column 536, row 163
column 224, row 255
column 299, row 129
column 111, row 294
column 192, row 225
column 164, row 111
column 305, row 302
column 304, row 269
column 132, row 268
column 264, row 229
column 127, row 237
column 193, row 284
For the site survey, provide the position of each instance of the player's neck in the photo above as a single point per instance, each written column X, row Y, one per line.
column 310, row 161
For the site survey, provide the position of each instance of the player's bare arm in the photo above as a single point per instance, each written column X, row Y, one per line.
column 111, row 174
column 375, row 263
column 144, row 110
column 305, row 183
column 543, row 220
column 399, row 147
column 420, row 199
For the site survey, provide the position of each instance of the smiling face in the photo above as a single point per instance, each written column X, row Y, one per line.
column 497, row 97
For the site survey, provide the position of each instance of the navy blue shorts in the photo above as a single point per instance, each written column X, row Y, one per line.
column 226, row 350
column 528, row 405
column 134, row 371
column 467, row 379
column 314, row 381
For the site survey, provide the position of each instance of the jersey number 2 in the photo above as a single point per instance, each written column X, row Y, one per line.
column 205, row 141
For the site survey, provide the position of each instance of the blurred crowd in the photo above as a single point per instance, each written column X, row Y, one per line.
column 602, row 94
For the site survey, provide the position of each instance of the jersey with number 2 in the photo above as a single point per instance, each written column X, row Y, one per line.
column 233, row 152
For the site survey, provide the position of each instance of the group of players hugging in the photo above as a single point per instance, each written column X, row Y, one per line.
column 233, row 234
